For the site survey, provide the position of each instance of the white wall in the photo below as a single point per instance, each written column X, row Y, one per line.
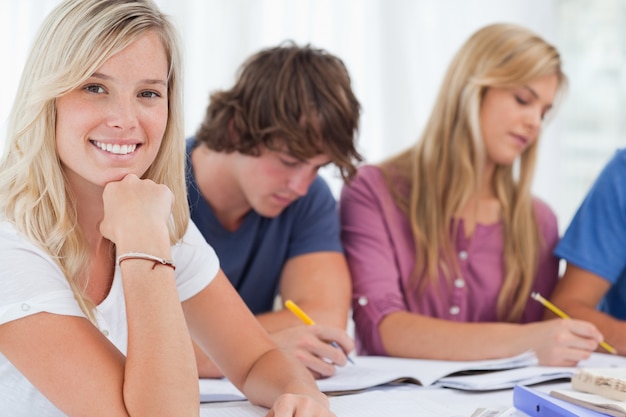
column 395, row 50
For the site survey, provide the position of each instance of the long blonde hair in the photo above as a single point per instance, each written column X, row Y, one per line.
column 74, row 41
column 445, row 166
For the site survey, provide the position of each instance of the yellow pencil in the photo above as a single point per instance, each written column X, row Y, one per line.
column 299, row 312
column 309, row 321
column 547, row 304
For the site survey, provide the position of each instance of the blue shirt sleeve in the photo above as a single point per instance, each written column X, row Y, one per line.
column 316, row 222
column 596, row 238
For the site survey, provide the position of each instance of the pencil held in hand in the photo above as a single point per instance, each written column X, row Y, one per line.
column 547, row 304
column 291, row 306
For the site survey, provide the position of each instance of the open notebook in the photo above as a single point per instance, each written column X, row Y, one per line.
column 371, row 371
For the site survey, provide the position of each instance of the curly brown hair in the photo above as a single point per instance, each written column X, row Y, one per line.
column 291, row 98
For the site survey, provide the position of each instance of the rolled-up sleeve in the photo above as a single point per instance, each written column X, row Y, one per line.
column 366, row 208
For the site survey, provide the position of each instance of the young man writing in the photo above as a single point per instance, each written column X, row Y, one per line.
column 256, row 196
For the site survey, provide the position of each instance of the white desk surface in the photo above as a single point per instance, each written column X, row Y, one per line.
column 396, row 401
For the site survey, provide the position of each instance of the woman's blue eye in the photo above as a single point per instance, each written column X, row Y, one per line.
column 149, row 94
column 95, row 89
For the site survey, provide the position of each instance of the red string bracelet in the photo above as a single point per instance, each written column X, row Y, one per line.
column 147, row 257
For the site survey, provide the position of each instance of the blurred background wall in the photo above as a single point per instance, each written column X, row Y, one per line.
column 396, row 52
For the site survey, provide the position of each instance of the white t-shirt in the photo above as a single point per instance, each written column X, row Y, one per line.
column 30, row 282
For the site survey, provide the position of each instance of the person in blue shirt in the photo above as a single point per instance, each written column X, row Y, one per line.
column 256, row 196
column 593, row 287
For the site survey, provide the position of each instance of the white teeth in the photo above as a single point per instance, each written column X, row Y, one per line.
column 116, row 148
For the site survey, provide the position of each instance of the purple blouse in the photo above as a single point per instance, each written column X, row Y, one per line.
column 381, row 254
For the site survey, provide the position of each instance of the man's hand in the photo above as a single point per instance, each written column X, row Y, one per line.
column 311, row 346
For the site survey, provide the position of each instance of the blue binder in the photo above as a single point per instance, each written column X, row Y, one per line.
column 536, row 403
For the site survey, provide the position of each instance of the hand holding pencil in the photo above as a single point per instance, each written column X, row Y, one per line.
column 538, row 297
column 298, row 312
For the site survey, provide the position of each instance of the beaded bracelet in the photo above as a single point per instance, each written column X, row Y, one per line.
column 147, row 257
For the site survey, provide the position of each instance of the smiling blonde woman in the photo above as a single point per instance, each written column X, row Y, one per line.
column 105, row 281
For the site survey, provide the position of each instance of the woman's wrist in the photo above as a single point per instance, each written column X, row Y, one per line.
column 142, row 256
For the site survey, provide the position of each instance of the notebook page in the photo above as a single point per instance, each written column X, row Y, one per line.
column 370, row 371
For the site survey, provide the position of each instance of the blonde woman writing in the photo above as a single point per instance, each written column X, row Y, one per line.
column 445, row 241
